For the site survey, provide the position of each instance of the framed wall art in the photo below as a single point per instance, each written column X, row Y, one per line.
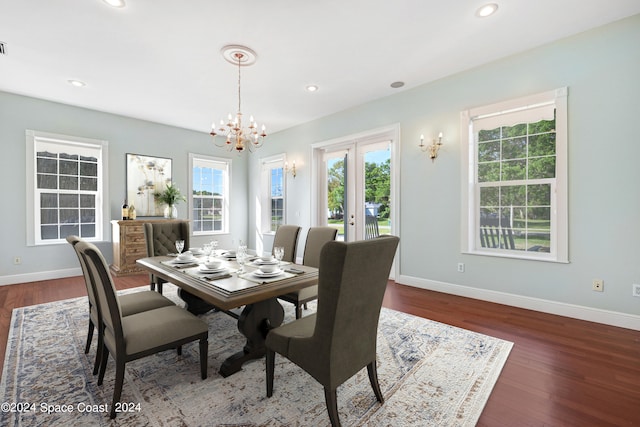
column 147, row 175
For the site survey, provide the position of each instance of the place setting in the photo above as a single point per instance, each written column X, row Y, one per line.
column 183, row 260
column 212, row 269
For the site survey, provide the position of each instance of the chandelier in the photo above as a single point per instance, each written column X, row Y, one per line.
column 236, row 135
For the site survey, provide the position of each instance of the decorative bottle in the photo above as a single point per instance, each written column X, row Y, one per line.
column 125, row 210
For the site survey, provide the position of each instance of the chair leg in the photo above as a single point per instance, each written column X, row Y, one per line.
column 152, row 286
column 373, row 379
column 179, row 350
column 331, row 398
column 160, row 288
column 117, row 388
column 104, row 357
column 89, row 337
column 271, row 358
column 204, row 357
column 99, row 352
column 298, row 311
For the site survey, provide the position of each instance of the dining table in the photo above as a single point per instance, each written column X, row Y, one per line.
column 225, row 290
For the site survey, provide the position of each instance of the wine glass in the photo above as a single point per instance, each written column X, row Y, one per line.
column 207, row 250
column 241, row 257
column 278, row 251
column 179, row 246
column 214, row 246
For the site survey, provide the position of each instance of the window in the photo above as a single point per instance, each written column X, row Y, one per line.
column 209, row 194
column 273, row 193
column 515, row 178
column 66, row 176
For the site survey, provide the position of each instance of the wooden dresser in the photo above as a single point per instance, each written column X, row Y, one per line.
column 129, row 244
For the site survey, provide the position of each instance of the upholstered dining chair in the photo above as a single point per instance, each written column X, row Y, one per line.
column 161, row 240
column 339, row 340
column 138, row 335
column 316, row 238
column 287, row 237
column 133, row 303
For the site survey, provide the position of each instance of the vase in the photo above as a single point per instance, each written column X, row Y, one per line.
column 171, row 211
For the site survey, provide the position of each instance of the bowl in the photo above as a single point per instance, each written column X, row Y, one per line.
column 196, row 250
column 213, row 264
column 185, row 256
column 267, row 258
column 268, row 268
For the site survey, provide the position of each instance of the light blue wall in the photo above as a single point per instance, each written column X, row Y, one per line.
column 601, row 68
column 124, row 135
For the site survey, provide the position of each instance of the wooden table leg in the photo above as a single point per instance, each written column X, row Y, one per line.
column 254, row 323
column 195, row 305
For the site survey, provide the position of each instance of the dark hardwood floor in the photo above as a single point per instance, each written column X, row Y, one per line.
column 561, row 371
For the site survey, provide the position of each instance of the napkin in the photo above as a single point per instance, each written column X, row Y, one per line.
column 181, row 266
column 217, row 276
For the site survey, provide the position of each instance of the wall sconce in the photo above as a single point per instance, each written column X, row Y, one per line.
column 291, row 170
column 432, row 148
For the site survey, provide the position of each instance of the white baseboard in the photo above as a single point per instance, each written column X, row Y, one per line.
column 606, row 317
column 613, row 318
column 40, row 275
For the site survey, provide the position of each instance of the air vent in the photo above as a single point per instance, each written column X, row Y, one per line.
column 3, row 48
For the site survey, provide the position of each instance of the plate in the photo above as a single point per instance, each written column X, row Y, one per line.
column 229, row 255
column 263, row 262
column 263, row 275
column 204, row 269
column 185, row 261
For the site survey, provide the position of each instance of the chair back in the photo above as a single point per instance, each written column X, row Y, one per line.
column 287, row 237
column 110, row 311
column 91, row 293
column 316, row 238
column 496, row 233
column 352, row 280
column 371, row 227
column 161, row 236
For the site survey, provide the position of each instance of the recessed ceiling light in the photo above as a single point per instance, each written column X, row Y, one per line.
column 396, row 85
column 115, row 3
column 486, row 10
column 312, row 88
column 76, row 83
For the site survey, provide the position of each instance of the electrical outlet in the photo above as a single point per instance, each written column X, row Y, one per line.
column 17, row 260
column 461, row 267
column 597, row 285
column 635, row 289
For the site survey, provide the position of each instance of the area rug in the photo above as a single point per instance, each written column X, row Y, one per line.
column 431, row 374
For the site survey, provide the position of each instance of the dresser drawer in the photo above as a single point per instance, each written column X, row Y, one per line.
column 135, row 250
column 132, row 229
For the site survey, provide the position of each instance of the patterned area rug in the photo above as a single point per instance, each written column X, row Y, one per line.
column 431, row 374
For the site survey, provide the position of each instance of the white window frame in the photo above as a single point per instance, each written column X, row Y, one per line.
column 522, row 107
column 36, row 141
column 214, row 163
column 277, row 161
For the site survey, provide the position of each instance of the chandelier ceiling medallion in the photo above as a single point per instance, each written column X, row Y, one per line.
column 238, row 137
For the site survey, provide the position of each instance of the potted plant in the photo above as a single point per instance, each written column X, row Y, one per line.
column 170, row 197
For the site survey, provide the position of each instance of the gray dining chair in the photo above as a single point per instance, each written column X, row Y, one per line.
column 287, row 237
column 339, row 340
column 138, row 335
column 161, row 240
column 133, row 303
column 316, row 239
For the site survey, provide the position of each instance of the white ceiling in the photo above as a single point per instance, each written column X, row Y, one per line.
column 160, row 60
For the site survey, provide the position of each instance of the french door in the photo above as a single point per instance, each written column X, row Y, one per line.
column 355, row 184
